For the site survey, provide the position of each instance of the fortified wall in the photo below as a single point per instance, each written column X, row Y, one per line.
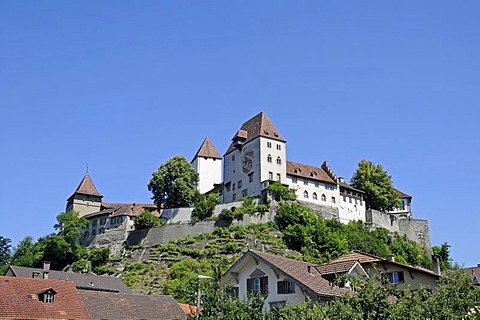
column 179, row 227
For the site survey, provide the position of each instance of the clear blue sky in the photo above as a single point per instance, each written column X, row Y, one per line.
column 125, row 85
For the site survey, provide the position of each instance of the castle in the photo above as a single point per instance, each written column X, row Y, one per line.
column 255, row 158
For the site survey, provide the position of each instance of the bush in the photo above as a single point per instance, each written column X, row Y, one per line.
column 146, row 220
column 204, row 206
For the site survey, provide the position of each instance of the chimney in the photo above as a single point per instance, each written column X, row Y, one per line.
column 391, row 258
column 436, row 264
column 46, row 269
column 309, row 270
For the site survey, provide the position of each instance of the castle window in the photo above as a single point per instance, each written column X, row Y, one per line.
column 317, row 184
column 279, row 177
column 324, row 198
column 227, row 186
column 279, row 160
column 279, row 146
column 239, row 184
column 333, row 200
column 233, row 186
column 102, row 221
column 244, row 193
column 270, row 175
column 94, row 223
column 356, row 201
column 102, row 230
column 294, row 180
column 233, row 158
column 314, row 196
column 344, row 199
column 250, row 177
column 269, row 158
column 305, row 182
column 269, row 144
column 361, row 202
column 234, row 197
column 349, row 199
column 305, row 194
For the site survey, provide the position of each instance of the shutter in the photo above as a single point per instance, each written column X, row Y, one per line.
column 249, row 285
column 281, row 287
column 400, row 277
column 264, row 284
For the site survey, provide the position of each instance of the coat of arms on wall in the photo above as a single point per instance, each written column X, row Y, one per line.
column 247, row 161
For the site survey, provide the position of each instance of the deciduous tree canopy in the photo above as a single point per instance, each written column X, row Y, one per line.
column 173, row 184
column 377, row 184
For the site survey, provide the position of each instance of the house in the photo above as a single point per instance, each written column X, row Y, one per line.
column 405, row 209
column 82, row 281
column 287, row 281
column 404, row 276
column 112, row 306
column 208, row 164
column 30, row 298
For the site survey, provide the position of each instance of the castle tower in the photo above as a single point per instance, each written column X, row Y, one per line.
column 208, row 164
column 86, row 199
column 255, row 158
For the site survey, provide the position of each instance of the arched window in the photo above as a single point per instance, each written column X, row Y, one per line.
column 324, row 198
column 269, row 158
column 279, row 160
column 314, row 196
column 305, row 194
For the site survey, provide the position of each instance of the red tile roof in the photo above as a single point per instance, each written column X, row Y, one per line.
column 207, row 149
column 309, row 172
column 19, row 299
column 258, row 126
column 87, row 187
column 123, row 209
column 336, row 267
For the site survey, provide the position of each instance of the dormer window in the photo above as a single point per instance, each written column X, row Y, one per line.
column 47, row 296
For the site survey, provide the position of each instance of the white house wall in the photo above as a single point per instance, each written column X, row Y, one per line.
column 311, row 186
column 273, row 296
column 209, row 171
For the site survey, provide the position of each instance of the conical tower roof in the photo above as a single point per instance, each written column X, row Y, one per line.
column 258, row 126
column 87, row 187
column 207, row 149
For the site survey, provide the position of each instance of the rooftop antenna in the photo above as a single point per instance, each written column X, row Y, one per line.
column 87, row 168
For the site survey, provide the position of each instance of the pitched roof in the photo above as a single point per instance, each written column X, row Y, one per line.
column 106, row 305
column 309, row 172
column 345, row 185
column 298, row 271
column 123, row 209
column 366, row 258
column 258, row 126
column 336, row 267
column 81, row 280
column 19, row 299
column 402, row 195
column 87, row 187
column 207, row 149
column 355, row 255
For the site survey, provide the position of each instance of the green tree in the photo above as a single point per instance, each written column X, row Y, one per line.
column 173, row 184
column 378, row 186
column 5, row 250
column 204, row 206
column 280, row 192
column 146, row 220
column 27, row 253
column 443, row 252
column 70, row 226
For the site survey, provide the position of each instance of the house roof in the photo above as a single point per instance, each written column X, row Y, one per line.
column 296, row 270
column 81, row 280
column 188, row 308
column 107, row 305
column 207, row 149
column 366, row 258
column 402, row 195
column 309, row 172
column 123, row 209
column 345, row 185
column 336, row 267
column 258, row 126
column 87, row 187
column 19, row 299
